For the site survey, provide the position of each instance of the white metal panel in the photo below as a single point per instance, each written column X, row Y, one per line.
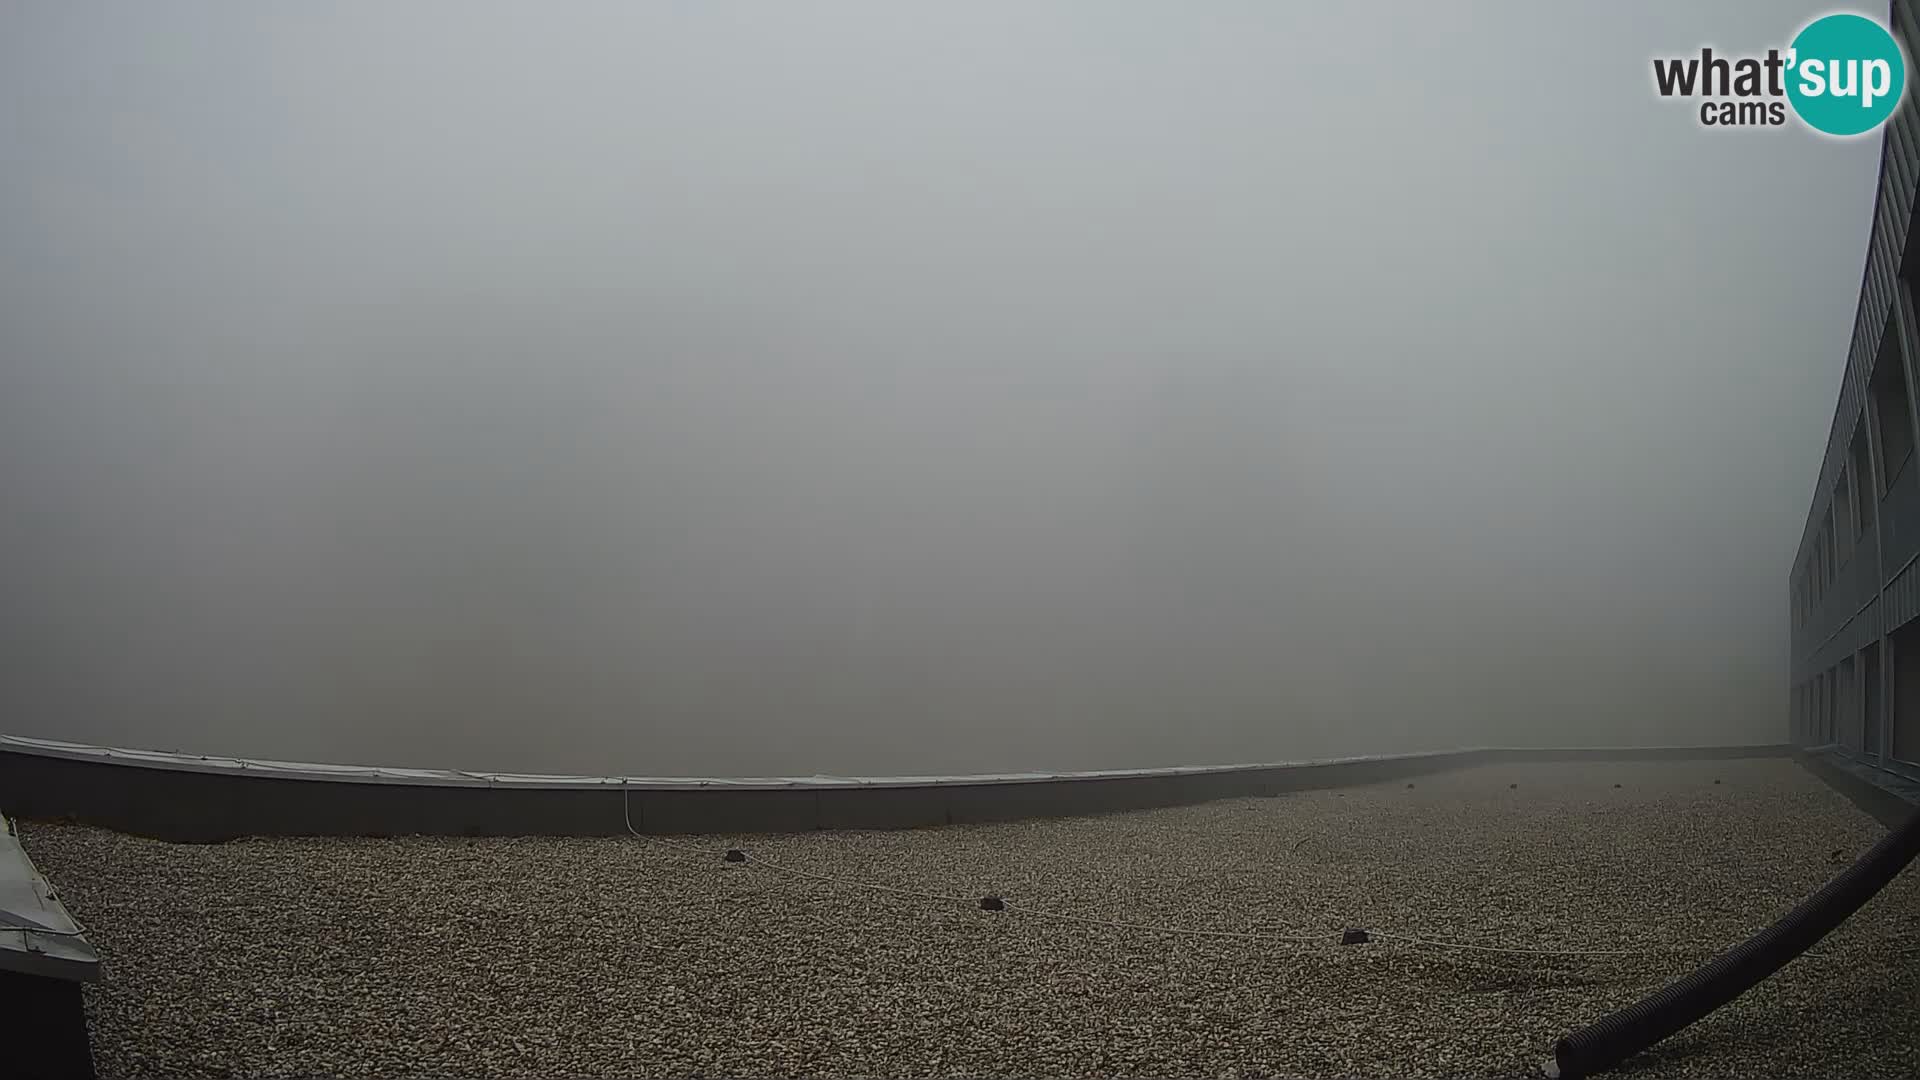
column 37, row 934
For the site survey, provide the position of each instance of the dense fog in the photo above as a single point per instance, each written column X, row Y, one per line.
column 875, row 388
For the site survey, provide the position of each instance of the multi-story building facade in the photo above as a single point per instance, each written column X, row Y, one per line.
column 1855, row 582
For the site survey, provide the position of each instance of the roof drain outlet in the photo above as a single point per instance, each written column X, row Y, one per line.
column 1616, row 1037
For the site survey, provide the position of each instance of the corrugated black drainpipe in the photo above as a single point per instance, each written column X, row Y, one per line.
column 1638, row 1026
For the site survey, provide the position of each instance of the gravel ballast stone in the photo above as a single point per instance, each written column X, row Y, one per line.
column 622, row 957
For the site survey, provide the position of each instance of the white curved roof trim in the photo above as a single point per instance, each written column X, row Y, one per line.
column 369, row 774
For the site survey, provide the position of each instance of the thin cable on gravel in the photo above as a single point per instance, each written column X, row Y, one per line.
column 1152, row 942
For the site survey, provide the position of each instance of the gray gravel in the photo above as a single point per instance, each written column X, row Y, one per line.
column 517, row 957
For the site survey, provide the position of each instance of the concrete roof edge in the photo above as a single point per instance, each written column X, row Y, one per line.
column 368, row 774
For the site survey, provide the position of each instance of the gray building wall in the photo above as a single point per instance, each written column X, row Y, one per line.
column 1854, row 589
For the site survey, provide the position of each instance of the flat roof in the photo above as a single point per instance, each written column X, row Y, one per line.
column 37, row 935
column 1199, row 940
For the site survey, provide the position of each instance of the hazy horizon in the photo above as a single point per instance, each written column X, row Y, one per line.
column 862, row 388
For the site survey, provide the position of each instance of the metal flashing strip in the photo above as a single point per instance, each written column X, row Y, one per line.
column 367, row 774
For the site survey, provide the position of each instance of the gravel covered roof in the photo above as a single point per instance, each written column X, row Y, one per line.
column 622, row 957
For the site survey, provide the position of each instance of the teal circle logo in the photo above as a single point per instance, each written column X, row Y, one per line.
column 1846, row 74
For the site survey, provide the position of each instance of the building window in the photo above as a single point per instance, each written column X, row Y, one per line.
column 1862, row 481
column 1847, row 525
column 1893, row 411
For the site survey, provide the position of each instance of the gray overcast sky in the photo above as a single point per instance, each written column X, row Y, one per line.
column 877, row 387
